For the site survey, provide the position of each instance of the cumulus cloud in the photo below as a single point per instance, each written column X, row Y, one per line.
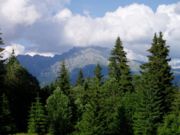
column 46, row 54
column 135, row 24
column 56, row 28
column 131, row 55
column 20, row 50
column 17, row 48
column 175, row 63
column 18, row 12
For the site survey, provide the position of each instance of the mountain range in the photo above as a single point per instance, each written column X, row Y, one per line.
column 46, row 69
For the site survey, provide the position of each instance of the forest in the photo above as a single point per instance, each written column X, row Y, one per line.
column 121, row 103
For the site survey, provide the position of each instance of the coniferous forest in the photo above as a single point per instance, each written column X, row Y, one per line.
column 121, row 103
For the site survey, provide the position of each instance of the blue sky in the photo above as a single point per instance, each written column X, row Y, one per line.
column 48, row 27
column 98, row 8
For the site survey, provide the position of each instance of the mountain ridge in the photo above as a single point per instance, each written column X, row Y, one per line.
column 46, row 68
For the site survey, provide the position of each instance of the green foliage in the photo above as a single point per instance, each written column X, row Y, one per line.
column 63, row 79
column 94, row 106
column 158, row 64
column 148, row 111
column 118, row 67
column 21, row 88
column 80, row 97
column 37, row 119
column 6, row 122
column 155, row 89
column 2, row 69
column 80, row 79
column 126, row 113
column 113, row 109
column 98, row 74
column 59, row 113
column 89, row 123
column 171, row 124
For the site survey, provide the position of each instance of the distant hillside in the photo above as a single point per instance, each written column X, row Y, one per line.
column 46, row 68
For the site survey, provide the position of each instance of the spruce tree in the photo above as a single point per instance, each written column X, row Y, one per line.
column 2, row 69
column 63, row 79
column 6, row 121
column 98, row 74
column 80, row 78
column 90, row 121
column 111, row 106
column 79, row 98
column 147, row 113
column 158, row 64
column 155, row 89
column 37, row 119
column 118, row 67
column 20, row 86
column 171, row 123
column 59, row 113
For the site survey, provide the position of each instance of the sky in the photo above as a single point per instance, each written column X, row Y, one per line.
column 48, row 27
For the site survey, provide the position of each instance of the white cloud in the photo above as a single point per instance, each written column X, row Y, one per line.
column 63, row 15
column 46, row 54
column 131, row 55
column 135, row 24
column 175, row 63
column 18, row 49
column 18, row 12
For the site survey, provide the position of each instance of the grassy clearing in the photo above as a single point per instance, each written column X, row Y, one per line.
column 27, row 134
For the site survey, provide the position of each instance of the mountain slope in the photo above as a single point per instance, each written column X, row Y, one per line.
column 46, row 68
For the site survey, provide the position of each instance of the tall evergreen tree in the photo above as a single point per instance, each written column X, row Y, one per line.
column 37, row 119
column 90, row 121
column 156, row 89
column 147, row 113
column 118, row 67
column 159, row 65
column 59, row 113
column 6, row 121
column 2, row 69
column 98, row 74
column 80, row 79
column 63, row 79
column 21, row 89
column 171, row 123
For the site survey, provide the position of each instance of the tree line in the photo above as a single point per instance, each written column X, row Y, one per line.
column 120, row 104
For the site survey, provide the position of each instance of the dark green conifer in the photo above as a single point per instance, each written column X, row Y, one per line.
column 2, row 69
column 37, row 119
column 90, row 121
column 155, row 89
column 118, row 67
column 98, row 74
column 63, row 79
column 80, row 78
column 59, row 113
column 158, row 64
column 6, row 121
column 171, row 123
column 20, row 86
column 147, row 113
